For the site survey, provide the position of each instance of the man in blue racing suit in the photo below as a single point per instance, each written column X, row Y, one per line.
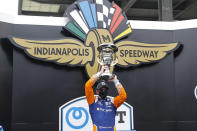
column 102, row 108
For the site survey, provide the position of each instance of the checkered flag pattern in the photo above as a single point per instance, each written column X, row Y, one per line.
column 103, row 8
column 110, row 16
column 85, row 15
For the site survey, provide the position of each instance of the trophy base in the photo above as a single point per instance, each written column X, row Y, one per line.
column 106, row 76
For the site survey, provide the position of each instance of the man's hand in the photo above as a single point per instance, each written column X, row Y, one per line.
column 96, row 76
column 103, row 69
column 114, row 79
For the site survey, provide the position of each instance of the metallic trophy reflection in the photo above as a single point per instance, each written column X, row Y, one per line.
column 107, row 56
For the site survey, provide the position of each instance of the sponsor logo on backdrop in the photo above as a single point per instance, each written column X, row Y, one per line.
column 94, row 23
column 1, row 128
column 74, row 116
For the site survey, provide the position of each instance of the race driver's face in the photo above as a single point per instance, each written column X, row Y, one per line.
column 102, row 92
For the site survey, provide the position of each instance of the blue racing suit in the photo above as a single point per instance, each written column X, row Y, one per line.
column 103, row 112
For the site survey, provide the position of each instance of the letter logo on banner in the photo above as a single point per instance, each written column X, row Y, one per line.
column 74, row 116
column 94, row 23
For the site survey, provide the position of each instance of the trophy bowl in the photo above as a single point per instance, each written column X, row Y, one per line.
column 107, row 56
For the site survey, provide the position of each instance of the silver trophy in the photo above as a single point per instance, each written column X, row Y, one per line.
column 107, row 56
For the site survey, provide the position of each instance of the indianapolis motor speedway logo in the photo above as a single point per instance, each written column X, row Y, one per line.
column 94, row 22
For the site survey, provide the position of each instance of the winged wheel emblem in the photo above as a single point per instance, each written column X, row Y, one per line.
column 93, row 23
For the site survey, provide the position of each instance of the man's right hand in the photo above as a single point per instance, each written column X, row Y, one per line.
column 96, row 76
column 103, row 69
